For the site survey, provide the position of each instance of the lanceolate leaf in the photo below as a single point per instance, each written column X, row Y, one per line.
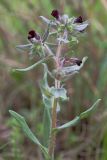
column 78, row 118
column 22, row 123
column 34, row 65
column 46, row 125
column 90, row 110
column 45, row 19
column 45, row 36
column 69, row 124
column 47, row 100
column 45, row 89
column 24, row 47
column 44, row 80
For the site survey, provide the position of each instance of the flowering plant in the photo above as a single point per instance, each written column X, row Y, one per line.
column 63, row 31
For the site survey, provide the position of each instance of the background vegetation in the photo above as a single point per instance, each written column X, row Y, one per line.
column 20, row 92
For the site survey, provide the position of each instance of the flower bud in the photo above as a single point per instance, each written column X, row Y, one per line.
column 55, row 14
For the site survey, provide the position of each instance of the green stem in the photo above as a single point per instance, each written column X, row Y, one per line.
column 54, row 107
column 53, row 135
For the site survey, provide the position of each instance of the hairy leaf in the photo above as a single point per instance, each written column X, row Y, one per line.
column 78, row 118
column 69, row 124
column 24, row 47
column 47, row 100
column 45, row 36
column 90, row 110
column 45, row 19
column 34, row 65
column 59, row 93
column 22, row 123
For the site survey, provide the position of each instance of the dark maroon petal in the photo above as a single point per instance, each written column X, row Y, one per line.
column 32, row 33
column 78, row 20
column 76, row 61
column 55, row 13
column 72, row 61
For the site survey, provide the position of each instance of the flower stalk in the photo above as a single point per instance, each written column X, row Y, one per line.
column 54, row 107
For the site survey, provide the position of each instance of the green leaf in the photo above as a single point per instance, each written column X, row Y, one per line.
column 45, row 89
column 47, row 100
column 78, row 118
column 46, row 20
column 69, row 124
column 59, row 93
column 46, row 126
column 24, row 47
column 90, row 110
column 34, row 65
column 44, row 80
column 45, row 36
column 22, row 123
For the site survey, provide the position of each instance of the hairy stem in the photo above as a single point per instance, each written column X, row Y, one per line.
column 54, row 107
column 53, row 135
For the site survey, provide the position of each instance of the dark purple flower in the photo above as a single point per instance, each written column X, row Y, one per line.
column 32, row 35
column 72, row 66
column 76, row 61
column 72, row 61
column 55, row 14
column 78, row 20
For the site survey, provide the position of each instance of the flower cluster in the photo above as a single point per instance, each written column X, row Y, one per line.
column 65, row 26
column 64, row 29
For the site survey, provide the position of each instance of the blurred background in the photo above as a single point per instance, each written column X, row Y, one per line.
column 20, row 91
